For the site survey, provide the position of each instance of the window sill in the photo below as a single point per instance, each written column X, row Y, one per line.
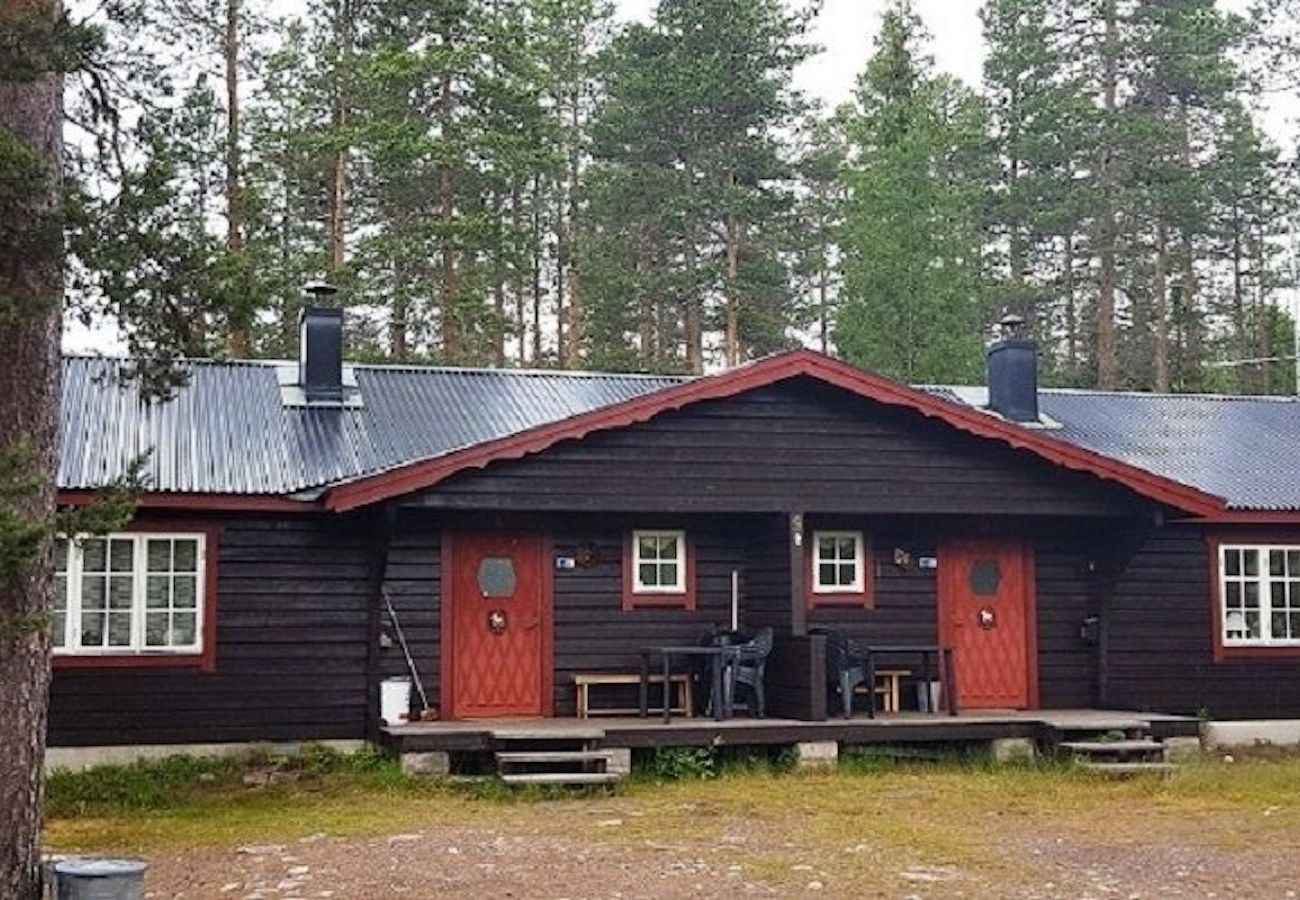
column 1238, row 652
column 204, row 662
column 860, row 600
column 659, row 601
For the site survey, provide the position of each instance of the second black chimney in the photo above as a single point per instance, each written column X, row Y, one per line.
column 320, row 349
column 1013, row 373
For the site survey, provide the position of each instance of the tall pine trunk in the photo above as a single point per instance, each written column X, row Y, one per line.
column 535, row 267
column 450, row 318
column 240, row 337
column 732, row 349
column 337, row 222
column 572, row 232
column 31, row 292
column 1160, row 314
column 1071, row 310
column 1240, row 339
column 1107, row 354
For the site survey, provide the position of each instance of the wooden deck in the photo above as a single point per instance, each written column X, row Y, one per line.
column 900, row 728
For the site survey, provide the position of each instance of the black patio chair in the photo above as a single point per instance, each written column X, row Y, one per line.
column 716, row 636
column 750, row 667
column 846, row 666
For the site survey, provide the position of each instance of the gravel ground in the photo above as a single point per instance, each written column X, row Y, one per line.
column 593, row 850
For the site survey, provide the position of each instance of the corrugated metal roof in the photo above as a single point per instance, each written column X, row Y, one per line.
column 227, row 431
column 1244, row 449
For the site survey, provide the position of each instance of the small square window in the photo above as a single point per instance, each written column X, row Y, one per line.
column 659, row 561
column 839, row 562
column 657, row 571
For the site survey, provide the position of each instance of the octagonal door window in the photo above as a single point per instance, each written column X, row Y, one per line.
column 496, row 577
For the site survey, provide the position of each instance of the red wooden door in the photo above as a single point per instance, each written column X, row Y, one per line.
column 499, row 623
column 986, row 613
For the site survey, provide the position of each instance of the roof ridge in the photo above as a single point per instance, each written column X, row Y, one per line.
column 1097, row 392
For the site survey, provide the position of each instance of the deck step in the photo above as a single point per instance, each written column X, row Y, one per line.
column 544, row 733
column 573, row 778
column 1129, row 768
column 1111, row 747
column 551, row 756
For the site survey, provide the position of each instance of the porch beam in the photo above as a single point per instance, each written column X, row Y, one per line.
column 798, row 590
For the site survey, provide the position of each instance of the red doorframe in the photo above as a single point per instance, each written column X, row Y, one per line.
column 947, row 594
column 446, row 620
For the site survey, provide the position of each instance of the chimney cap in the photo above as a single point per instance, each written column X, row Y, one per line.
column 320, row 289
column 1011, row 324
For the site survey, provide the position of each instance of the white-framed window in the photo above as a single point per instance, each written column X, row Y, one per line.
column 1259, row 594
column 838, row 562
column 659, row 562
column 123, row 594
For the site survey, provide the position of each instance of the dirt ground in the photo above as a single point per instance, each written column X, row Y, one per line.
column 477, row 863
column 896, row 834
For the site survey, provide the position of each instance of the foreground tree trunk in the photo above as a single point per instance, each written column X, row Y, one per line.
column 31, row 290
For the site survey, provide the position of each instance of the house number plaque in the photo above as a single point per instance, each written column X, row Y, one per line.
column 496, row 621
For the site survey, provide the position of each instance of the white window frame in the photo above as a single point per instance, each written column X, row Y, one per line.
column 638, row 587
column 139, row 586
column 859, row 560
column 1265, row 581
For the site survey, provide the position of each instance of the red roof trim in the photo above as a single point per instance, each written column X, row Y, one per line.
column 214, row 502
column 1253, row 517
column 420, row 475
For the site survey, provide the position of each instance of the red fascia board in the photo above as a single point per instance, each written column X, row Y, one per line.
column 200, row 502
column 420, row 475
column 1252, row 517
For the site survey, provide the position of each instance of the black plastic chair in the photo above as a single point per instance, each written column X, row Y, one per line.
column 750, row 667
column 846, row 666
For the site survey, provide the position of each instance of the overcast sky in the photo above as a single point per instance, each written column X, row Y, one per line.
column 845, row 30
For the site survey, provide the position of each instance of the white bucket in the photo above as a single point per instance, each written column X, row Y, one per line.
column 395, row 700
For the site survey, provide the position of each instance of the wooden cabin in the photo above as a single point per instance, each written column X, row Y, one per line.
column 1077, row 549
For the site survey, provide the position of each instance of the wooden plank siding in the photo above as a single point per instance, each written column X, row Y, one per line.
column 1160, row 654
column 593, row 633
column 795, row 446
column 292, row 596
column 413, row 582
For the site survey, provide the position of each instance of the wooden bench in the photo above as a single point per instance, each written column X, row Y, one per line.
column 586, row 680
column 888, row 687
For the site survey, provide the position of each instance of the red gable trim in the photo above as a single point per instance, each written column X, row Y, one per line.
column 420, row 475
column 215, row 502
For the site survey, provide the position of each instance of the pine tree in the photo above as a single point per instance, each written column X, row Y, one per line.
column 695, row 109
column 912, row 303
column 453, row 134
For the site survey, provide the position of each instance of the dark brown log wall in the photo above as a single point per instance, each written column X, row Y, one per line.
column 593, row 633
column 1160, row 654
column 291, row 649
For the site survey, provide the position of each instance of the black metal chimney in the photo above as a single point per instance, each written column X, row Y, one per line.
column 1013, row 373
column 320, row 347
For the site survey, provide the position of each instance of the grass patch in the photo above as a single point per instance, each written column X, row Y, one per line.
column 877, row 810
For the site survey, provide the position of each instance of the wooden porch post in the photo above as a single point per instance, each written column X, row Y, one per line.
column 798, row 606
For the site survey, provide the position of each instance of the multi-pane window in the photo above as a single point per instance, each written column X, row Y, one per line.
column 1260, row 592
column 837, row 562
column 128, row 593
column 659, row 562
